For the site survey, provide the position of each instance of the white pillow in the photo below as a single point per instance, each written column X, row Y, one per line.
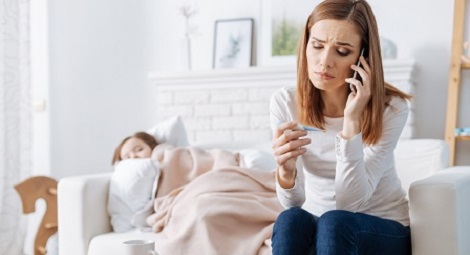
column 130, row 190
column 170, row 131
column 257, row 159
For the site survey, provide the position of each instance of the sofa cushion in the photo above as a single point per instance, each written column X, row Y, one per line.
column 171, row 131
column 419, row 158
column 130, row 190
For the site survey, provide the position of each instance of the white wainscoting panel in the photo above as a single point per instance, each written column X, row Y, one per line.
column 233, row 104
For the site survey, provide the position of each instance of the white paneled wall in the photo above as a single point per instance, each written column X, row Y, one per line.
column 233, row 105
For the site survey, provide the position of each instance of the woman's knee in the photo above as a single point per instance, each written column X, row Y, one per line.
column 296, row 219
column 336, row 221
column 295, row 214
column 294, row 232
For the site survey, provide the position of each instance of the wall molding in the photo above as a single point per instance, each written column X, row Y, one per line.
column 394, row 69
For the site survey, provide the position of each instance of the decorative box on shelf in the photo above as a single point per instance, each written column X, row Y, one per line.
column 462, row 133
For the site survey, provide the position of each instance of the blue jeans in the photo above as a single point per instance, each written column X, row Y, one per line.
column 298, row 232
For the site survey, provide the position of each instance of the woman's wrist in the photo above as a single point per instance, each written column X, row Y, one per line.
column 351, row 127
column 286, row 179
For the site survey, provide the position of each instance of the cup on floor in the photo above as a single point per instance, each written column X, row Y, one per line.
column 139, row 247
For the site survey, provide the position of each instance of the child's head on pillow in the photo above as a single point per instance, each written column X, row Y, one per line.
column 139, row 145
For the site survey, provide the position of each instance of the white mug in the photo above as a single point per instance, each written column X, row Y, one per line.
column 140, row 247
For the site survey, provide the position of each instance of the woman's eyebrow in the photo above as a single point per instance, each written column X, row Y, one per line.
column 344, row 44
column 338, row 43
column 316, row 39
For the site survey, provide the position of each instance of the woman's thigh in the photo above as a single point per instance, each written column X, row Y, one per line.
column 342, row 232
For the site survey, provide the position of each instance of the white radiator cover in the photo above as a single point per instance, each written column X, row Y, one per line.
column 233, row 104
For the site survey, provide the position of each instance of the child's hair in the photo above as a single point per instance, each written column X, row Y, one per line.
column 145, row 137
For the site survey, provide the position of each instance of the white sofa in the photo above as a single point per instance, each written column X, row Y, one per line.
column 439, row 205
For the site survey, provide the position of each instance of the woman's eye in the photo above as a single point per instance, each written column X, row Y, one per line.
column 316, row 46
column 343, row 52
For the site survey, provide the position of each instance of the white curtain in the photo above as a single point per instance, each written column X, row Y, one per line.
column 15, row 120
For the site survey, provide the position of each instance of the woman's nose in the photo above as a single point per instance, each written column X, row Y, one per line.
column 326, row 59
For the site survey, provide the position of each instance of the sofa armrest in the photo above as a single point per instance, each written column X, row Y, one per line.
column 439, row 210
column 82, row 211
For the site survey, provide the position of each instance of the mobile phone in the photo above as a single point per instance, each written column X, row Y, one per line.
column 352, row 86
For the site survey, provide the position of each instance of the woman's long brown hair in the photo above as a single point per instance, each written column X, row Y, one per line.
column 309, row 101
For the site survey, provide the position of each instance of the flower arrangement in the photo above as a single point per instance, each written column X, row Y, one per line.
column 188, row 10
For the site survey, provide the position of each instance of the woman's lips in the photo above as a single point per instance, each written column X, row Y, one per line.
column 325, row 76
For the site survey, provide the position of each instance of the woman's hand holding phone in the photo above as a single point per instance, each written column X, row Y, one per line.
column 287, row 146
column 357, row 100
column 351, row 85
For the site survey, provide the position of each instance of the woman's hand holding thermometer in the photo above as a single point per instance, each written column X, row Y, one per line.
column 288, row 142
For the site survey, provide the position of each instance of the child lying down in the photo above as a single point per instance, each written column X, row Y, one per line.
column 197, row 200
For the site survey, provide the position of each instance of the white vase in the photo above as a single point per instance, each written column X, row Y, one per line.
column 185, row 54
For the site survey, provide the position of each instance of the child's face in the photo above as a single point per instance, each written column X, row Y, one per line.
column 135, row 148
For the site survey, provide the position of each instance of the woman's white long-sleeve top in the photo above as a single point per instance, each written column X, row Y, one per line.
column 341, row 174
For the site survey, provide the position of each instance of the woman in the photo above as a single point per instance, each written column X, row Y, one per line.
column 139, row 145
column 340, row 186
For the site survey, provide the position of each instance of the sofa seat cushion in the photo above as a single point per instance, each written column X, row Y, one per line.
column 111, row 243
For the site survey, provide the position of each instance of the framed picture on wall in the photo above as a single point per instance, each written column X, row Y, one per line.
column 281, row 24
column 233, row 43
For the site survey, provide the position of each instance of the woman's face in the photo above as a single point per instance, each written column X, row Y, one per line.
column 135, row 148
column 333, row 46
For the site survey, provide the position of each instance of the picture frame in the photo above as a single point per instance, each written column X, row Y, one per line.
column 281, row 25
column 233, row 43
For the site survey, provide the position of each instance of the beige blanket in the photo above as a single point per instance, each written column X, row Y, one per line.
column 207, row 205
